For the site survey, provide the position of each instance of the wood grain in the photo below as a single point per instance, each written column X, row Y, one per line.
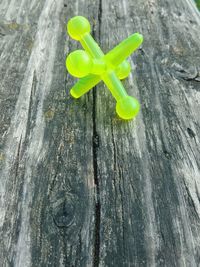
column 79, row 186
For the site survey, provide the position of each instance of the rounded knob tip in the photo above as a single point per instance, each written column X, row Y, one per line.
column 123, row 70
column 79, row 63
column 127, row 108
column 77, row 27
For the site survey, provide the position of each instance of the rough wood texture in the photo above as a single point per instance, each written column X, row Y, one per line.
column 78, row 186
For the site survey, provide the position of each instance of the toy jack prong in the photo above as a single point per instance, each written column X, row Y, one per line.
column 127, row 107
column 90, row 45
column 114, row 84
column 124, row 49
column 84, row 85
column 82, row 34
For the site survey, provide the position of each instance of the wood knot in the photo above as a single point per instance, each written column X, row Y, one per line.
column 64, row 211
column 96, row 140
column 167, row 154
column 191, row 133
column 187, row 74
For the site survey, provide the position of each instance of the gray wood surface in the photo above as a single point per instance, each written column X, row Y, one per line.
column 79, row 186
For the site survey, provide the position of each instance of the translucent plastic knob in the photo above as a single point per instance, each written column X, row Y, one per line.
column 127, row 108
column 77, row 27
column 79, row 63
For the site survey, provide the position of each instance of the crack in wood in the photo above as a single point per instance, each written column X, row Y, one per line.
column 96, row 251
column 17, row 160
column 96, row 181
column 121, row 190
column 190, row 200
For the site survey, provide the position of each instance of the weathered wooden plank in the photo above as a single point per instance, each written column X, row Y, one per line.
column 78, row 186
column 47, row 181
column 148, row 169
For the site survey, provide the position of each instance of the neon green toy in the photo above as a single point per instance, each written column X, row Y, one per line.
column 92, row 66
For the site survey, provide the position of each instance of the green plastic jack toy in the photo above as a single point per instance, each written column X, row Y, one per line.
column 92, row 66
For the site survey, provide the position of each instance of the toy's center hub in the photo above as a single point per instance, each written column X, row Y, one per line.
column 79, row 64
